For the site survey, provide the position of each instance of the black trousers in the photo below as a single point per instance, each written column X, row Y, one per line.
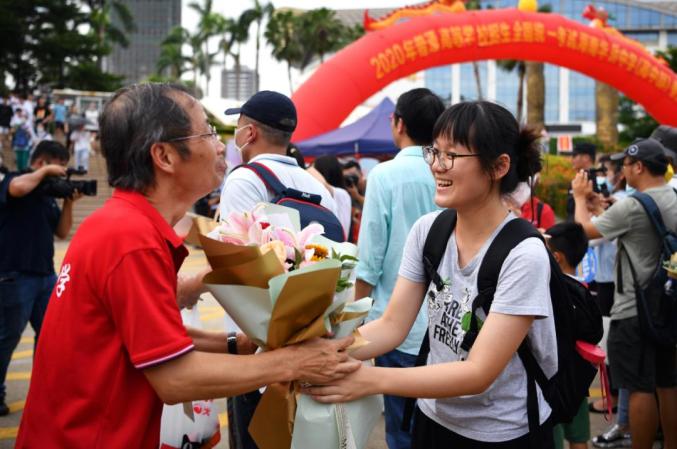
column 427, row 434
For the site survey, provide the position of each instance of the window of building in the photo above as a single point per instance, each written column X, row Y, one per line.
column 645, row 37
column 581, row 97
column 672, row 38
column 551, row 93
column 468, row 83
column 438, row 80
column 507, row 86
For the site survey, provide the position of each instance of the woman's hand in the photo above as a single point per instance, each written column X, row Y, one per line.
column 355, row 385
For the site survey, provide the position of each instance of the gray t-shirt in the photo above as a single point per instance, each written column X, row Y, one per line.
column 500, row 413
column 627, row 221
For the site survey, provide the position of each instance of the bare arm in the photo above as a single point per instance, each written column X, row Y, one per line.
column 582, row 187
column 202, row 375
column 25, row 184
column 496, row 343
column 362, row 289
column 389, row 331
column 66, row 218
column 217, row 342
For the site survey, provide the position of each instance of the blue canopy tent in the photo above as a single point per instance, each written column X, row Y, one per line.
column 368, row 136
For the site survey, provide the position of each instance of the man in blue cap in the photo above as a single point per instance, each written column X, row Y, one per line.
column 640, row 365
column 264, row 129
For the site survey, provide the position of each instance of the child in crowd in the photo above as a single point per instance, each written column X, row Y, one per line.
column 472, row 399
column 81, row 140
column 569, row 244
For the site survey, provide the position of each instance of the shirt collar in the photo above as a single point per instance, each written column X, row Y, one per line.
column 275, row 157
column 140, row 202
column 415, row 151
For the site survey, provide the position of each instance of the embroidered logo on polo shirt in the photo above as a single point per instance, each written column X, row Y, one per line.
column 64, row 278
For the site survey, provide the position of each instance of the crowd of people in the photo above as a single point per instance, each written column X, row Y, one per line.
column 27, row 120
column 429, row 224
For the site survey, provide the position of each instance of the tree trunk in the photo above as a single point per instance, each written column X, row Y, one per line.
column 237, row 75
column 258, row 44
column 478, row 81
column 521, row 69
column 291, row 88
column 208, row 67
column 606, row 114
column 535, row 95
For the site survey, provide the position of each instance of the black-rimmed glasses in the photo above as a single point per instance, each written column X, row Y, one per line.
column 212, row 133
column 430, row 153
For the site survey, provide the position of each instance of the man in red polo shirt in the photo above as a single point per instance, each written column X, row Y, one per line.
column 112, row 347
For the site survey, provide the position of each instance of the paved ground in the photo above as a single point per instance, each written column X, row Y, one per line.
column 213, row 317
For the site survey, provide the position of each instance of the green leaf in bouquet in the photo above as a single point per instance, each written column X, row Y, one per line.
column 345, row 257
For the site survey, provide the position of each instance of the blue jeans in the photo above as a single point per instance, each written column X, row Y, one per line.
column 396, row 438
column 23, row 299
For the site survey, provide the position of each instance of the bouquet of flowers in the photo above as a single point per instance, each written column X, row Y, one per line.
column 283, row 285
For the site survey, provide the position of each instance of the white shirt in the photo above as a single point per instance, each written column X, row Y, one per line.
column 243, row 189
column 81, row 140
column 344, row 207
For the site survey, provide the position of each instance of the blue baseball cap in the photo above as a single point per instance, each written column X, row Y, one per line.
column 270, row 108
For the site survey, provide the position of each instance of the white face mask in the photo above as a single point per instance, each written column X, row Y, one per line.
column 238, row 148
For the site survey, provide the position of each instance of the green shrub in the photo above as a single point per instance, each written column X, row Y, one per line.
column 555, row 182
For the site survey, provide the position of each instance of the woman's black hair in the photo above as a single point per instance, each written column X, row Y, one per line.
column 331, row 170
column 489, row 130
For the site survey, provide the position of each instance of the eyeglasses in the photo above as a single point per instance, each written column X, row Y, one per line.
column 628, row 164
column 212, row 133
column 430, row 153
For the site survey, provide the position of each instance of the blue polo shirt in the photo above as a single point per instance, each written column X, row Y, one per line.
column 27, row 227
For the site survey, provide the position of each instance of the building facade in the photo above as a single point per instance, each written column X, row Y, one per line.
column 230, row 88
column 153, row 19
column 569, row 95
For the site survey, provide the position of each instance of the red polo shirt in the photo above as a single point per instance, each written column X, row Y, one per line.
column 112, row 313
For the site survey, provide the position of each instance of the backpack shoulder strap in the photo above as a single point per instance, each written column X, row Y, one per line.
column 436, row 244
column 512, row 234
column 539, row 213
column 433, row 250
column 652, row 211
column 267, row 176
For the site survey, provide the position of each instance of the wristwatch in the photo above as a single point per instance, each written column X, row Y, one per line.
column 232, row 343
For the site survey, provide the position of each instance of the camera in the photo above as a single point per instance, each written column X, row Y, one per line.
column 592, row 176
column 352, row 180
column 58, row 187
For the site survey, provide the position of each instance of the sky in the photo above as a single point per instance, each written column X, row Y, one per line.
column 273, row 74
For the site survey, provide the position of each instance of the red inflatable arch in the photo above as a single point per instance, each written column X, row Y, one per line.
column 381, row 57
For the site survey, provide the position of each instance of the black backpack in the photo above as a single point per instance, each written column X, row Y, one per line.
column 657, row 300
column 307, row 204
column 576, row 317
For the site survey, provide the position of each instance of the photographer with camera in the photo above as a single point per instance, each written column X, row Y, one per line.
column 29, row 219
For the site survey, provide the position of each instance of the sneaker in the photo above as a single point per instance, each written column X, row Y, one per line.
column 614, row 436
column 4, row 410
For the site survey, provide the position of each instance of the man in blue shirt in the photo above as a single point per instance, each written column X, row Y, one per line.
column 29, row 220
column 398, row 193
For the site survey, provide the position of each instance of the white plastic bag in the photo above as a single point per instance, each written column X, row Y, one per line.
column 192, row 424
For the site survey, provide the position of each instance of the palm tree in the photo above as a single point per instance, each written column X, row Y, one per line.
column 101, row 20
column 282, row 34
column 509, row 65
column 171, row 53
column 606, row 114
column 257, row 14
column 321, row 33
column 208, row 27
column 535, row 95
column 536, row 88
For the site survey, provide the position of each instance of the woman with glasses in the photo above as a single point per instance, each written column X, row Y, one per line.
column 474, row 399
